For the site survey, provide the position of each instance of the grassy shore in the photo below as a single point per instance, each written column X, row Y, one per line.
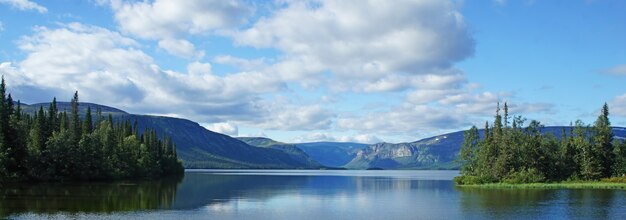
column 610, row 183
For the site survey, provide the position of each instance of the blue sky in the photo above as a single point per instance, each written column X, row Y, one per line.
column 300, row 71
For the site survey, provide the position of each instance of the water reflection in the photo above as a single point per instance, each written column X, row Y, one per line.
column 278, row 195
column 305, row 195
column 50, row 198
column 207, row 189
column 543, row 204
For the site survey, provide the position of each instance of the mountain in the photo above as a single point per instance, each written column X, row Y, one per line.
column 201, row 148
column 197, row 146
column 437, row 152
column 331, row 154
column 295, row 152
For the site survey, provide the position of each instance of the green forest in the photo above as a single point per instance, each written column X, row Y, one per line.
column 56, row 146
column 508, row 152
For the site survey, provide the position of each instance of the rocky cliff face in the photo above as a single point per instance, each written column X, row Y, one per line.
column 431, row 153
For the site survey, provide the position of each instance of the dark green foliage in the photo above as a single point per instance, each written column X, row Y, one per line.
column 469, row 151
column 50, row 146
column 526, row 155
column 619, row 167
column 602, row 140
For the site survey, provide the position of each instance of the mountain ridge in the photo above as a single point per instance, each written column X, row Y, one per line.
column 197, row 146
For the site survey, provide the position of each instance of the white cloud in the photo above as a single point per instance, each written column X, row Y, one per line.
column 171, row 18
column 321, row 136
column 617, row 106
column 362, row 40
column 223, row 127
column 314, row 137
column 404, row 119
column 361, row 138
column 447, row 110
column 241, row 63
column 181, row 48
column 25, row 5
column 434, row 80
column 619, row 70
column 297, row 117
column 106, row 67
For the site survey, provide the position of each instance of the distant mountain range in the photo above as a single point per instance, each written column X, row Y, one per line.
column 201, row 148
column 332, row 154
column 291, row 149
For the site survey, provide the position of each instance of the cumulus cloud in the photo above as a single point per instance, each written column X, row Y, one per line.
column 404, row 48
column 223, row 127
column 366, row 40
column 405, row 119
column 170, row 20
column 241, row 63
column 618, row 105
column 421, row 115
column 25, row 5
column 106, row 67
column 181, row 48
column 297, row 117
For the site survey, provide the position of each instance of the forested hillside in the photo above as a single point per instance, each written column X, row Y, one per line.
column 59, row 145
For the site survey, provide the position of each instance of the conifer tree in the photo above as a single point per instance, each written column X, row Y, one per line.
column 53, row 120
column 603, row 141
column 88, row 123
column 469, row 150
column 75, row 120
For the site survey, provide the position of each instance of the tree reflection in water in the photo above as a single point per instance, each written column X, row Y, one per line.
column 102, row 197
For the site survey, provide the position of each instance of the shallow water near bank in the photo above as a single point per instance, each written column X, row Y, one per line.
column 304, row 194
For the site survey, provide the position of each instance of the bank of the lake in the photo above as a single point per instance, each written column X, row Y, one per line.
column 559, row 185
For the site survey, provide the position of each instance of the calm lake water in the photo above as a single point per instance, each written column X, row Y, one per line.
column 297, row 194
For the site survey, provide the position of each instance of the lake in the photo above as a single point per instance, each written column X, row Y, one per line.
column 303, row 194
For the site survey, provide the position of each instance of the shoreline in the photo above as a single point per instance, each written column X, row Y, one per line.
column 556, row 185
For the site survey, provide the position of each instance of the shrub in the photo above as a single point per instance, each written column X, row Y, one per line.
column 621, row 179
column 530, row 175
column 473, row 180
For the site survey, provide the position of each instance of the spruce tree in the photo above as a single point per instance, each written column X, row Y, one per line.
column 603, row 141
column 5, row 158
column 469, row 151
column 53, row 120
column 75, row 121
column 88, row 123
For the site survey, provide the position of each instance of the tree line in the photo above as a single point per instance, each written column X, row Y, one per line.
column 53, row 145
column 510, row 152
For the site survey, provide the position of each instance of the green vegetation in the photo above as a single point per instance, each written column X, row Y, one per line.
column 557, row 185
column 55, row 146
column 513, row 156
